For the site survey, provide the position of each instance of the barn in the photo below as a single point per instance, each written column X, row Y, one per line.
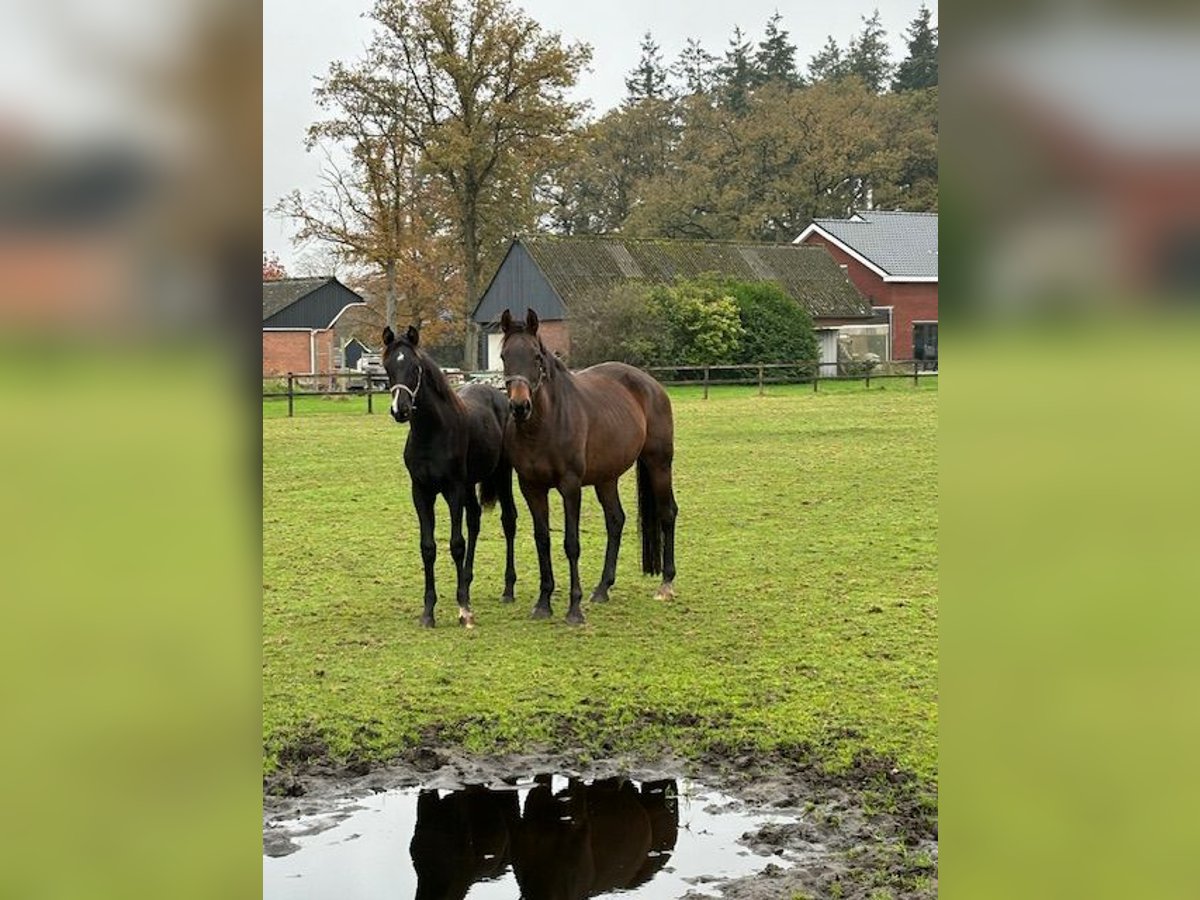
column 299, row 315
column 550, row 274
column 892, row 258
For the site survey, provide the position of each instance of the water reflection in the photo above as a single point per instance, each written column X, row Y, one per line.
column 577, row 842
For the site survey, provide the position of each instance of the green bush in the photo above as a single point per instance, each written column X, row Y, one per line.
column 775, row 328
column 702, row 322
column 622, row 325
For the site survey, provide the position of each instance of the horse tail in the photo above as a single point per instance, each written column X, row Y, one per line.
column 488, row 492
column 648, row 523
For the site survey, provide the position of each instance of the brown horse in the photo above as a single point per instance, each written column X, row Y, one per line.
column 569, row 430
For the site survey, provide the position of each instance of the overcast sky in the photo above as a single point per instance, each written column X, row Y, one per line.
column 300, row 39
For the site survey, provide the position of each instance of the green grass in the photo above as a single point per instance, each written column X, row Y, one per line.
column 806, row 615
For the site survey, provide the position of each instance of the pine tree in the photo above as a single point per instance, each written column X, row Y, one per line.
column 648, row 80
column 737, row 72
column 776, row 57
column 868, row 55
column 920, row 69
column 695, row 68
column 829, row 64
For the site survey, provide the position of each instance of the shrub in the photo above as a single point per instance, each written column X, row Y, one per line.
column 702, row 323
column 775, row 328
column 622, row 325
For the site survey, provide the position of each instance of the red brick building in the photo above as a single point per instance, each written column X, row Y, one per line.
column 892, row 258
column 299, row 315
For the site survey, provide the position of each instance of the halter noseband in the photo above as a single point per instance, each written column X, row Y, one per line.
column 533, row 388
column 412, row 392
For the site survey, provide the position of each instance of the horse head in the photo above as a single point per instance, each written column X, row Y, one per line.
column 404, row 371
column 525, row 364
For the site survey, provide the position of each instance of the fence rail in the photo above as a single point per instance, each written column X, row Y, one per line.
column 362, row 384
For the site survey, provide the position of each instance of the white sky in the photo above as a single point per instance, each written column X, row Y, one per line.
column 300, row 39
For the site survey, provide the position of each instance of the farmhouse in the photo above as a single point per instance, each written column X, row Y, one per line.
column 299, row 315
column 892, row 258
column 551, row 274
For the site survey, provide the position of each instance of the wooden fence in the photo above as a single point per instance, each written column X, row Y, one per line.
column 360, row 384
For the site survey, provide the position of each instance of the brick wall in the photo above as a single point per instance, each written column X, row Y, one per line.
column 323, row 340
column 911, row 301
column 286, row 351
column 556, row 336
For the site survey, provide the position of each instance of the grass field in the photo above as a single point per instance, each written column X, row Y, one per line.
column 806, row 610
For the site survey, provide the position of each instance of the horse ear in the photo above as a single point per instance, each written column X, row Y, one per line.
column 388, row 336
column 506, row 321
column 413, row 336
column 531, row 321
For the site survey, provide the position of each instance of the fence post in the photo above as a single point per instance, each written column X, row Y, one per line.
column 816, row 376
column 760, row 381
column 915, row 379
column 868, row 379
column 370, row 403
column 706, row 382
column 290, row 394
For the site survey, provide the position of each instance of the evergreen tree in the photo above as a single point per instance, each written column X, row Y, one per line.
column 738, row 72
column 648, row 80
column 920, row 69
column 776, row 57
column 829, row 64
column 695, row 68
column 868, row 55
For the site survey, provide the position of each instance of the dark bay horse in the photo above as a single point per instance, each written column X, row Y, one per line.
column 455, row 442
column 570, row 430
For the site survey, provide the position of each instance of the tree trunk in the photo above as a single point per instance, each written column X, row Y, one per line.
column 471, row 271
column 389, row 315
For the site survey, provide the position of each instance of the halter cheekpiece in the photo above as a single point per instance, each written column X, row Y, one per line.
column 533, row 388
column 412, row 392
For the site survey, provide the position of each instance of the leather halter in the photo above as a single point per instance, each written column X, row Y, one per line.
column 533, row 387
column 411, row 391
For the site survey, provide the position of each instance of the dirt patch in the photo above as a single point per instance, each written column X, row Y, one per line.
column 868, row 832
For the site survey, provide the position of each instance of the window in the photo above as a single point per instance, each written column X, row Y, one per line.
column 925, row 344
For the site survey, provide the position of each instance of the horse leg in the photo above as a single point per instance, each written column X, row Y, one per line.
column 458, row 552
column 664, row 496
column 614, row 522
column 508, row 519
column 572, row 495
column 539, row 511
column 472, row 510
column 423, row 502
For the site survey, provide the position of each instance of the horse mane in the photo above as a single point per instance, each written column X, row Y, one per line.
column 434, row 377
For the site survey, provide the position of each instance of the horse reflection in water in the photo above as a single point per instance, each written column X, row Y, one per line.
column 462, row 838
column 585, row 840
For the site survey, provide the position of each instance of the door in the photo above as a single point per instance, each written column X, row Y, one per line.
column 925, row 344
column 492, row 363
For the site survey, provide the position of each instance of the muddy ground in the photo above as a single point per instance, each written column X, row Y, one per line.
column 870, row 832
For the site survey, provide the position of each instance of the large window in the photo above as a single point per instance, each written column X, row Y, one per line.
column 859, row 340
column 925, row 344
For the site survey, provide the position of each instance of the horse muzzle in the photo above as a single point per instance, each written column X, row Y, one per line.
column 521, row 409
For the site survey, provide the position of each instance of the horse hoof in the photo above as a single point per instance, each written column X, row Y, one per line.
column 466, row 618
column 575, row 617
column 507, row 598
column 665, row 592
column 540, row 612
column 426, row 621
column 599, row 597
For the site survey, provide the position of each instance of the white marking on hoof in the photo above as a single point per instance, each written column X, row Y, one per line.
column 665, row 592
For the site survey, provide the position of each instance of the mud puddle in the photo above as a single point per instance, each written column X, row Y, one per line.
column 541, row 837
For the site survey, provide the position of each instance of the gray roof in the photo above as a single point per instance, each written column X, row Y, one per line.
column 578, row 267
column 286, row 291
column 902, row 244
